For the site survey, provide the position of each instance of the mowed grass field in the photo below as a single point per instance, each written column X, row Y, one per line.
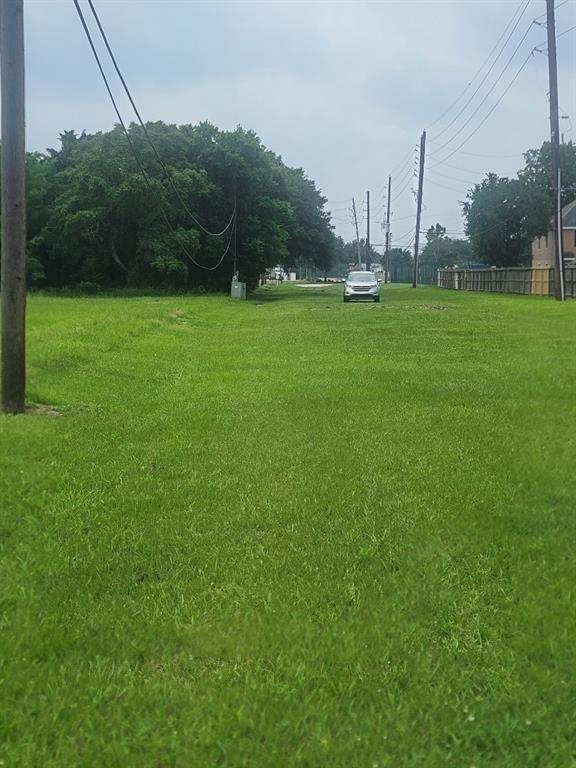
column 292, row 532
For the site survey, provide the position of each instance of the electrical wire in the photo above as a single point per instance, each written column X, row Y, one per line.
column 404, row 168
column 453, row 178
column 406, row 234
column 467, row 139
column 542, row 15
column 479, row 232
column 402, row 162
column 135, row 153
column 383, row 200
column 167, row 173
column 486, row 157
column 402, row 190
column 409, row 173
column 402, row 218
column 444, row 186
column 490, row 91
column 465, row 170
column 560, row 34
column 451, row 123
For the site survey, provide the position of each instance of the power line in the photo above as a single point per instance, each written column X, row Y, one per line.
column 144, row 128
column 560, row 34
column 482, row 67
column 403, row 189
column 401, row 238
column 555, row 8
column 402, row 162
column 406, row 169
column 489, row 157
column 459, row 168
column 444, row 186
column 403, row 218
column 408, row 174
column 133, row 148
column 467, row 139
column 453, row 178
column 491, row 90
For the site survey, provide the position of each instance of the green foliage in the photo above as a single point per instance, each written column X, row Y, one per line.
column 503, row 216
column 498, row 221
column 291, row 533
column 536, row 174
column 401, row 256
column 442, row 251
column 93, row 217
column 346, row 255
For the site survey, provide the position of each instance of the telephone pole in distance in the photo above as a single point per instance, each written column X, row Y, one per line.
column 368, row 259
column 357, row 233
column 387, row 241
column 419, row 208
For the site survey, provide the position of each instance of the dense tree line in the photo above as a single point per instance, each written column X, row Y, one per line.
column 440, row 250
column 444, row 251
column 96, row 221
column 352, row 254
column 503, row 215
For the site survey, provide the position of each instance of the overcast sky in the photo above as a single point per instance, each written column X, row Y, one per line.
column 341, row 89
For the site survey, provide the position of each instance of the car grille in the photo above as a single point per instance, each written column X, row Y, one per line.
column 361, row 289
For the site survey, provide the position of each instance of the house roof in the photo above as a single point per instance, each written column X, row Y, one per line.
column 569, row 216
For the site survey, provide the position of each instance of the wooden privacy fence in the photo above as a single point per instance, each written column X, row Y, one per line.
column 532, row 281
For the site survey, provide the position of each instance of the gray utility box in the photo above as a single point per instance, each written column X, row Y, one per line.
column 238, row 290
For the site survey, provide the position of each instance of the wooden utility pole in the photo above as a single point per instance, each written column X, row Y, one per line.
column 555, row 147
column 13, row 290
column 234, row 241
column 357, row 233
column 387, row 241
column 368, row 259
column 419, row 208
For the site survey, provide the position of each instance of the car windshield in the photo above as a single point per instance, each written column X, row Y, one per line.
column 361, row 277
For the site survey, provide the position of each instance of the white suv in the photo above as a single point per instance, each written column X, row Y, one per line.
column 361, row 285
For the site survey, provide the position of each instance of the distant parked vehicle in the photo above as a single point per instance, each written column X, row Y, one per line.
column 361, row 285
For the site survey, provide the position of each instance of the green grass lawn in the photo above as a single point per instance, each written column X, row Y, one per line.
column 292, row 532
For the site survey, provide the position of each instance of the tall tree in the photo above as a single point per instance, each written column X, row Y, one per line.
column 498, row 221
column 441, row 250
column 503, row 216
column 97, row 220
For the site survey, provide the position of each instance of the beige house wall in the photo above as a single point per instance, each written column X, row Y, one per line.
column 543, row 248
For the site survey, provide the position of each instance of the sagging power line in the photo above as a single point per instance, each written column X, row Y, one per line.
column 487, row 95
column 147, row 134
column 232, row 222
column 502, row 49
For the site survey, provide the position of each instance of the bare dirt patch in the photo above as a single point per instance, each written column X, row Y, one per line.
column 40, row 409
